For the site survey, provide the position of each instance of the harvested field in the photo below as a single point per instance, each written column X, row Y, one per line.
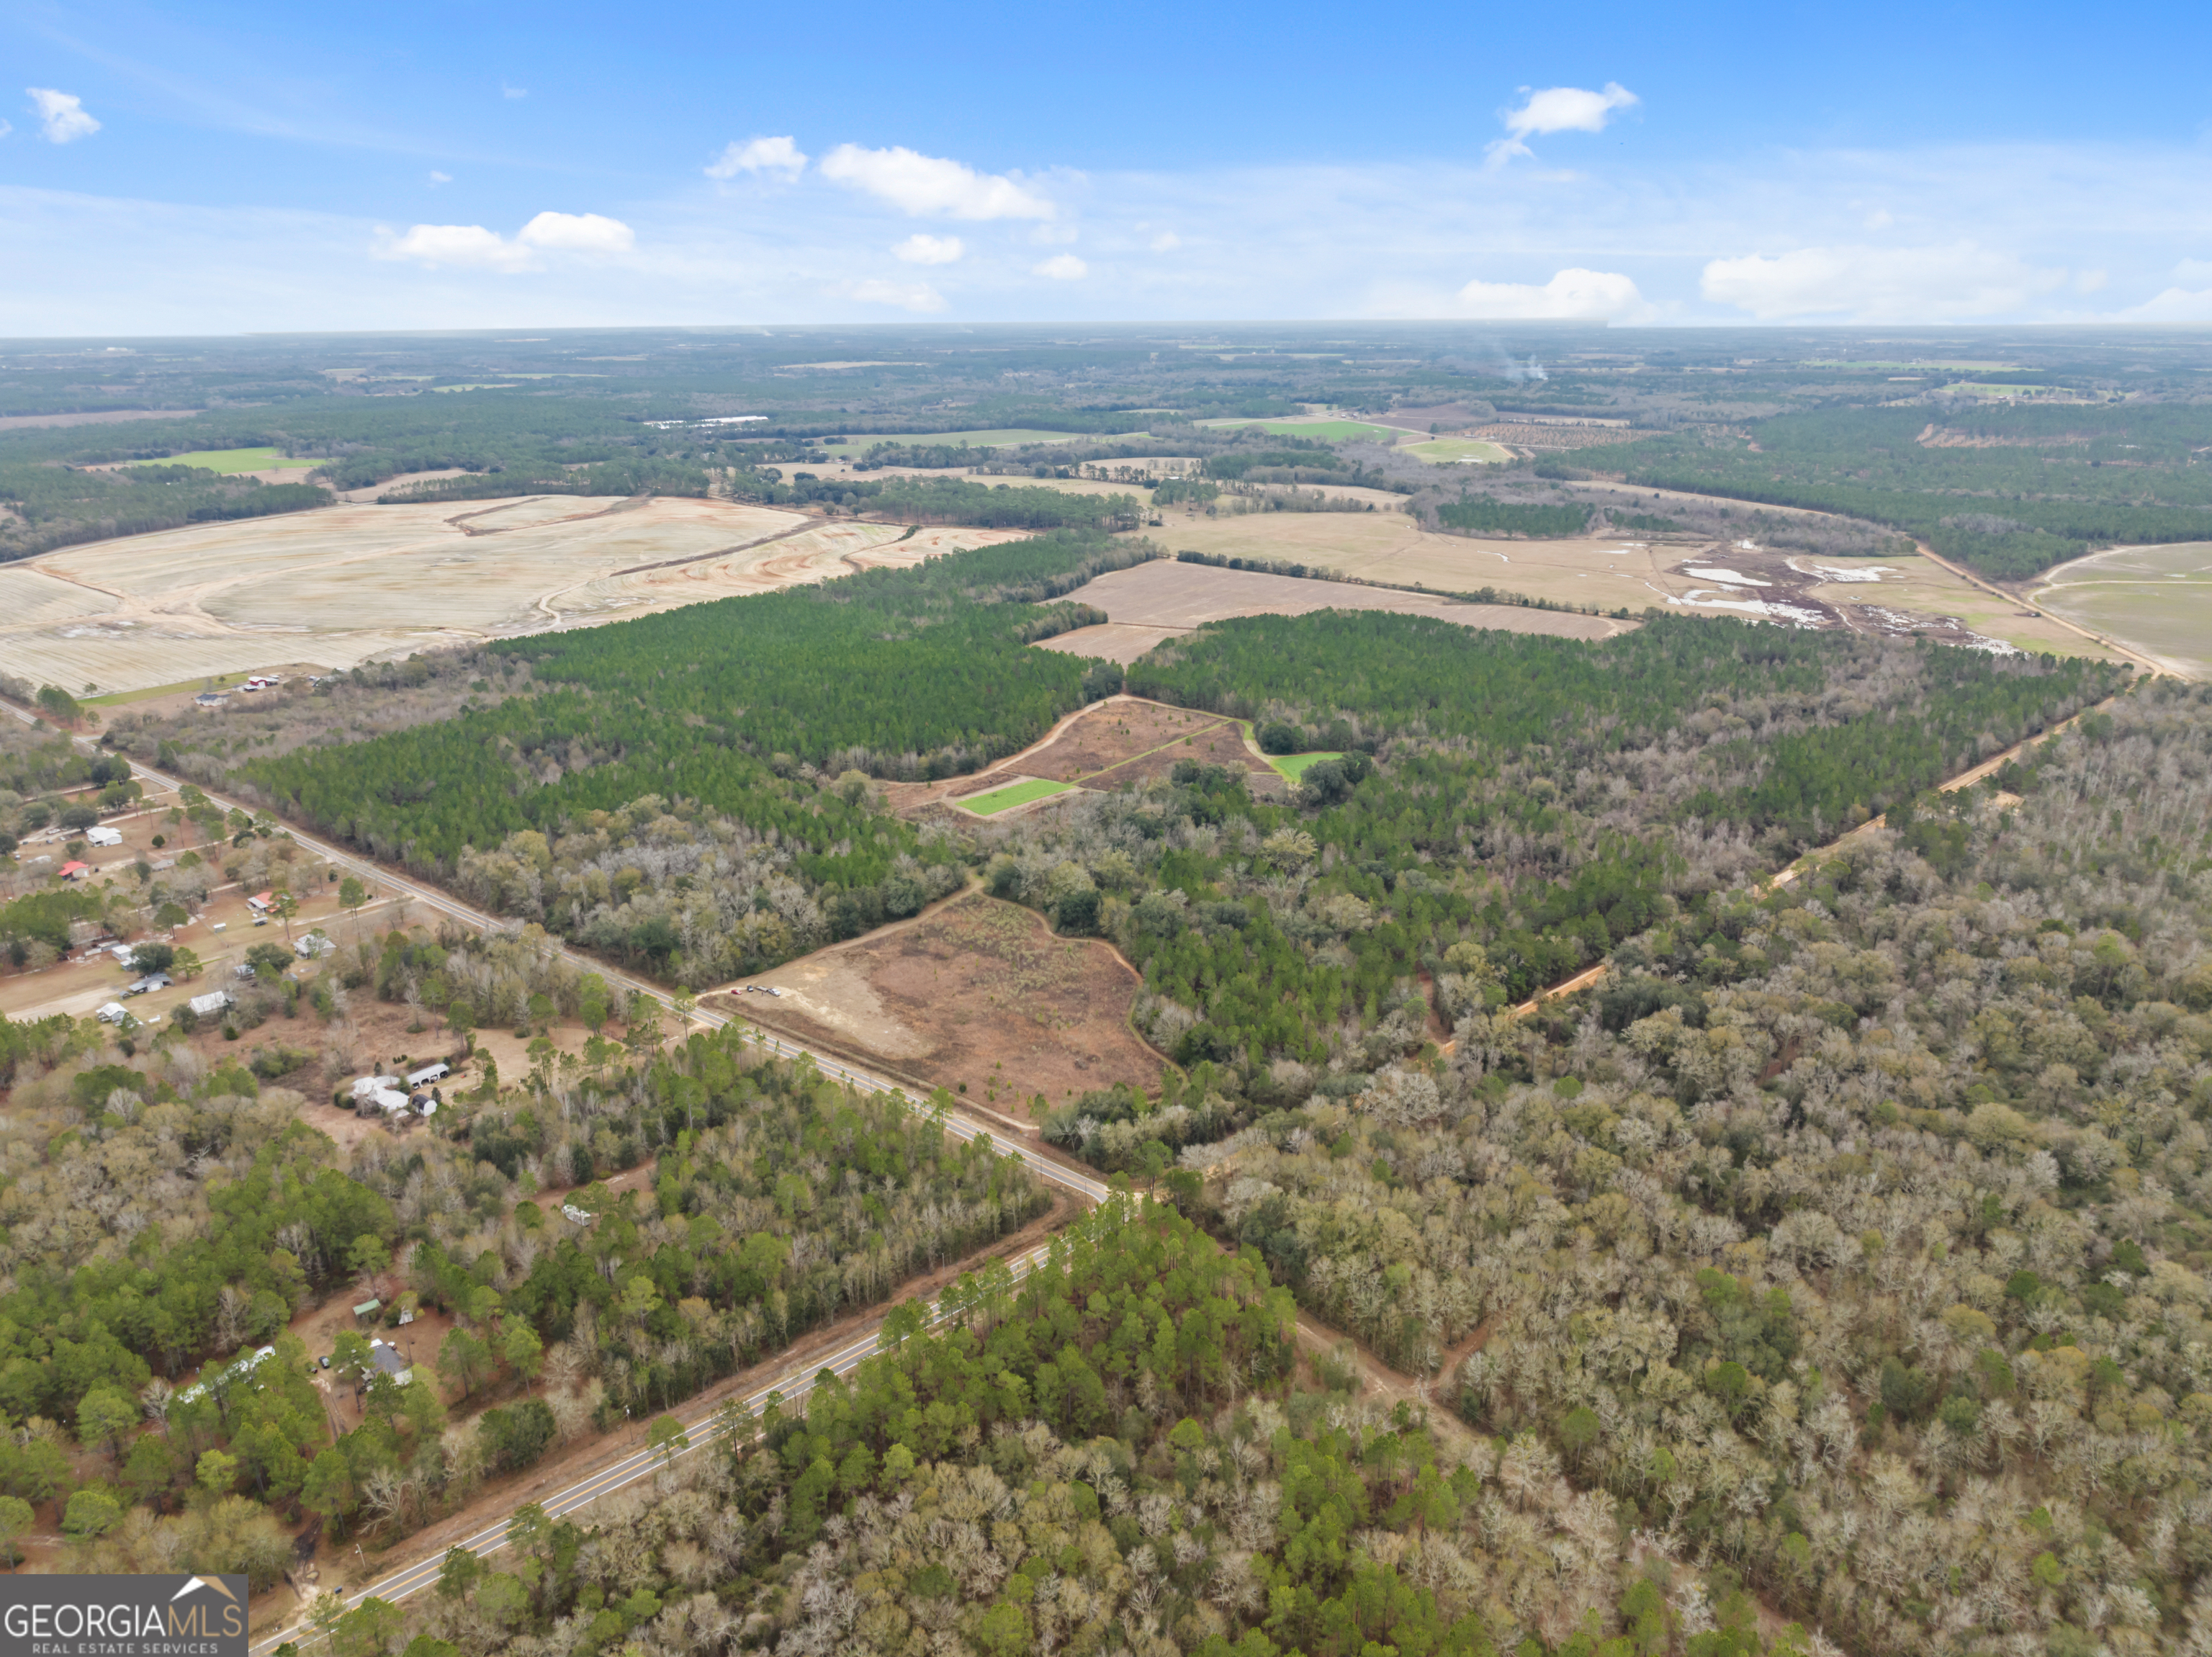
column 1165, row 599
column 2156, row 599
column 359, row 582
column 1913, row 595
column 979, row 993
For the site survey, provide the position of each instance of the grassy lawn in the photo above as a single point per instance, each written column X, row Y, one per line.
column 1014, row 794
column 121, row 699
column 1445, row 450
column 236, row 459
column 1295, row 765
column 1329, row 431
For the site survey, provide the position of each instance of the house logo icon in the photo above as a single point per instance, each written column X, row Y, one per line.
column 194, row 1583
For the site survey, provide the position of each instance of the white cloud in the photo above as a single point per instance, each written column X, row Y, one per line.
column 1879, row 284
column 759, row 156
column 1166, row 242
column 471, row 246
column 2089, row 282
column 2174, row 305
column 919, row 249
column 438, row 177
column 1062, row 267
column 5, row 128
column 62, row 118
column 1558, row 109
column 907, row 296
column 916, row 183
column 1572, row 295
column 578, row 233
column 507, row 91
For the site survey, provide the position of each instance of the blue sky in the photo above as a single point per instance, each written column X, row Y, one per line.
column 223, row 168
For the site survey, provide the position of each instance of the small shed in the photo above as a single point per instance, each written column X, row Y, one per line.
column 368, row 1308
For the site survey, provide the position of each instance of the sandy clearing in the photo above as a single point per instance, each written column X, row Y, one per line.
column 357, row 582
column 980, row 992
column 1172, row 597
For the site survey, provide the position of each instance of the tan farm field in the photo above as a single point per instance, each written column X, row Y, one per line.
column 1908, row 593
column 358, row 582
column 1163, row 599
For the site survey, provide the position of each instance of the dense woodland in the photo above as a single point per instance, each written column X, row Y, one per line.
column 1858, row 1233
column 1112, row 1454
column 2009, row 490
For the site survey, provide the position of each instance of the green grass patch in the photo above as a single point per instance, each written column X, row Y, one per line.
column 1295, row 765
column 1444, row 451
column 1014, row 794
column 1327, row 431
column 209, row 682
column 228, row 460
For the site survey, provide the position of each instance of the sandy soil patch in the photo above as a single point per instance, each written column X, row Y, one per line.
column 1177, row 598
column 1109, row 744
column 978, row 995
column 1907, row 595
column 356, row 582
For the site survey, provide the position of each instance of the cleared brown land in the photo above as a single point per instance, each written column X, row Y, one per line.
column 979, row 993
column 1165, row 599
column 1128, row 739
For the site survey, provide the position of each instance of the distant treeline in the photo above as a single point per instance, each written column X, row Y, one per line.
column 1482, row 515
column 53, row 506
column 2009, row 491
column 945, row 500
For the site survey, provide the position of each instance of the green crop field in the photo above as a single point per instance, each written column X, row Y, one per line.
column 1295, row 765
column 1443, row 451
column 1327, row 431
column 1014, row 794
column 228, row 460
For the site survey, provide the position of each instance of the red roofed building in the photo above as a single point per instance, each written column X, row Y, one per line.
column 75, row 871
